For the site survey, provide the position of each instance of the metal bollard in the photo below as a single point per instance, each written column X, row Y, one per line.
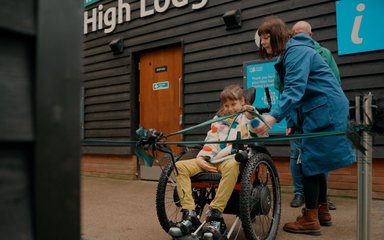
column 364, row 197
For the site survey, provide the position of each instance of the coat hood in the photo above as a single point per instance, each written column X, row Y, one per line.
column 300, row 39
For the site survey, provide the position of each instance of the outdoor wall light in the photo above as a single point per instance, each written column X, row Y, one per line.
column 232, row 19
column 117, row 45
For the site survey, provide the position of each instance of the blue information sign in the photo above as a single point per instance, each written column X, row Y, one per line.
column 359, row 25
column 260, row 75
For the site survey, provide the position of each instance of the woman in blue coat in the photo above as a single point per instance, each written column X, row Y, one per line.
column 311, row 101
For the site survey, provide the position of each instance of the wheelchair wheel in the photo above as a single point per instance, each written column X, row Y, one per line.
column 168, row 204
column 260, row 198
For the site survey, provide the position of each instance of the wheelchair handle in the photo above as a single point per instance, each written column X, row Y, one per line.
column 268, row 109
column 148, row 136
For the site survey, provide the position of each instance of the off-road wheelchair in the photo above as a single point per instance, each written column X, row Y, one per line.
column 255, row 200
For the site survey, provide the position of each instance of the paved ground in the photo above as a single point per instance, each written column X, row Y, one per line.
column 120, row 209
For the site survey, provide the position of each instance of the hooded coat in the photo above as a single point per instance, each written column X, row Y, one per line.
column 313, row 101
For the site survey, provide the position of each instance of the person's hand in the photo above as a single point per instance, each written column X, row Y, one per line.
column 205, row 165
column 248, row 108
column 263, row 129
column 290, row 131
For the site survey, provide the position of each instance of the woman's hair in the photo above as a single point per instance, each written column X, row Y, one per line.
column 279, row 35
column 231, row 92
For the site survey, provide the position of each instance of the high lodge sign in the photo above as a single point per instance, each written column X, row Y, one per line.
column 99, row 18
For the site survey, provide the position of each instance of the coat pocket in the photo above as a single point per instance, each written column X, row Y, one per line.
column 316, row 115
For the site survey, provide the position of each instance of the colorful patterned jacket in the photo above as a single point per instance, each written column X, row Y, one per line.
column 225, row 130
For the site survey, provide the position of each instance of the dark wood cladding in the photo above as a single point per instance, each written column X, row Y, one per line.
column 213, row 57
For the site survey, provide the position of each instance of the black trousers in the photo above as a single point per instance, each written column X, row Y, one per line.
column 315, row 190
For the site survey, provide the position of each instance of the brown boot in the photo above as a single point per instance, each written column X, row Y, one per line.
column 324, row 215
column 306, row 224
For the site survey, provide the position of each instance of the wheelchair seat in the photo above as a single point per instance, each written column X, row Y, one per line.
column 209, row 177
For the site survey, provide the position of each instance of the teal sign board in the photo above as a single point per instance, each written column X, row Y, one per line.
column 90, row 2
column 260, row 75
column 359, row 25
column 160, row 85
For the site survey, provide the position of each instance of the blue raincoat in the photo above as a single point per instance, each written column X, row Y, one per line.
column 313, row 101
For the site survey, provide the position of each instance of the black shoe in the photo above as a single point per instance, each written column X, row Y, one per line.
column 331, row 205
column 189, row 224
column 215, row 227
column 297, row 201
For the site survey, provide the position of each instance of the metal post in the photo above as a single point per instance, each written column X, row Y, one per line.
column 365, row 175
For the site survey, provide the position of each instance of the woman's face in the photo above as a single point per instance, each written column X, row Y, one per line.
column 265, row 40
column 232, row 106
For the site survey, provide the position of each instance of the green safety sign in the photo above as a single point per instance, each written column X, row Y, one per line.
column 160, row 85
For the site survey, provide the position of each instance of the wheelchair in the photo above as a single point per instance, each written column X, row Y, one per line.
column 255, row 200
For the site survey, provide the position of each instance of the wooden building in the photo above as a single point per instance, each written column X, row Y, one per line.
column 133, row 48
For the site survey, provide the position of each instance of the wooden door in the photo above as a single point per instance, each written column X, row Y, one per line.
column 161, row 91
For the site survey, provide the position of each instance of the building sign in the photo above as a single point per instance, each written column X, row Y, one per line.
column 160, row 85
column 260, row 75
column 99, row 18
column 359, row 25
column 90, row 2
column 161, row 69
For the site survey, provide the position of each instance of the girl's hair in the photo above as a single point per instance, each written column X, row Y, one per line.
column 231, row 92
column 279, row 35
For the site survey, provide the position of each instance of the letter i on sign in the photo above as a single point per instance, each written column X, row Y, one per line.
column 356, row 25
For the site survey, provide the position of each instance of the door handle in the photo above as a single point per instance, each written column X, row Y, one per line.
column 181, row 119
column 180, row 92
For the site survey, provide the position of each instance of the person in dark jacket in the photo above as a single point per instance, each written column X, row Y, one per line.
column 313, row 93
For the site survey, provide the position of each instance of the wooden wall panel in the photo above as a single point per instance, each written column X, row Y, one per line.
column 120, row 88
column 111, row 115
column 213, row 58
column 107, row 107
column 119, row 97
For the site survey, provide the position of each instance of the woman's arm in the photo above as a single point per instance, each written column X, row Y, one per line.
column 297, row 61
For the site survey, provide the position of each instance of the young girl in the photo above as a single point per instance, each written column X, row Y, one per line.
column 313, row 101
column 214, row 158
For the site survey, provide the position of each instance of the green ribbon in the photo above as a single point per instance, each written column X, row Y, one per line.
column 203, row 124
column 259, row 116
column 274, row 138
column 118, row 142
column 352, row 134
column 142, row 154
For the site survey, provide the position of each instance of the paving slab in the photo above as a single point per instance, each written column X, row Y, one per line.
column 125, row 209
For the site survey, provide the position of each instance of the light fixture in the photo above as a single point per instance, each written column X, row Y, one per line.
column 232, row 19
column 117, row 45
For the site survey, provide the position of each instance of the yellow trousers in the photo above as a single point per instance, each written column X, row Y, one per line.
column 229, row 170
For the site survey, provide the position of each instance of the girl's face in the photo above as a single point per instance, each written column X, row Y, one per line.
column 232, row 106
column 265, row 40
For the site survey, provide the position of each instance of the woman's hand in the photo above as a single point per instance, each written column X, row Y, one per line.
column 248, row 108
column 263, row 129
column 205, row 165
column 290, row 131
